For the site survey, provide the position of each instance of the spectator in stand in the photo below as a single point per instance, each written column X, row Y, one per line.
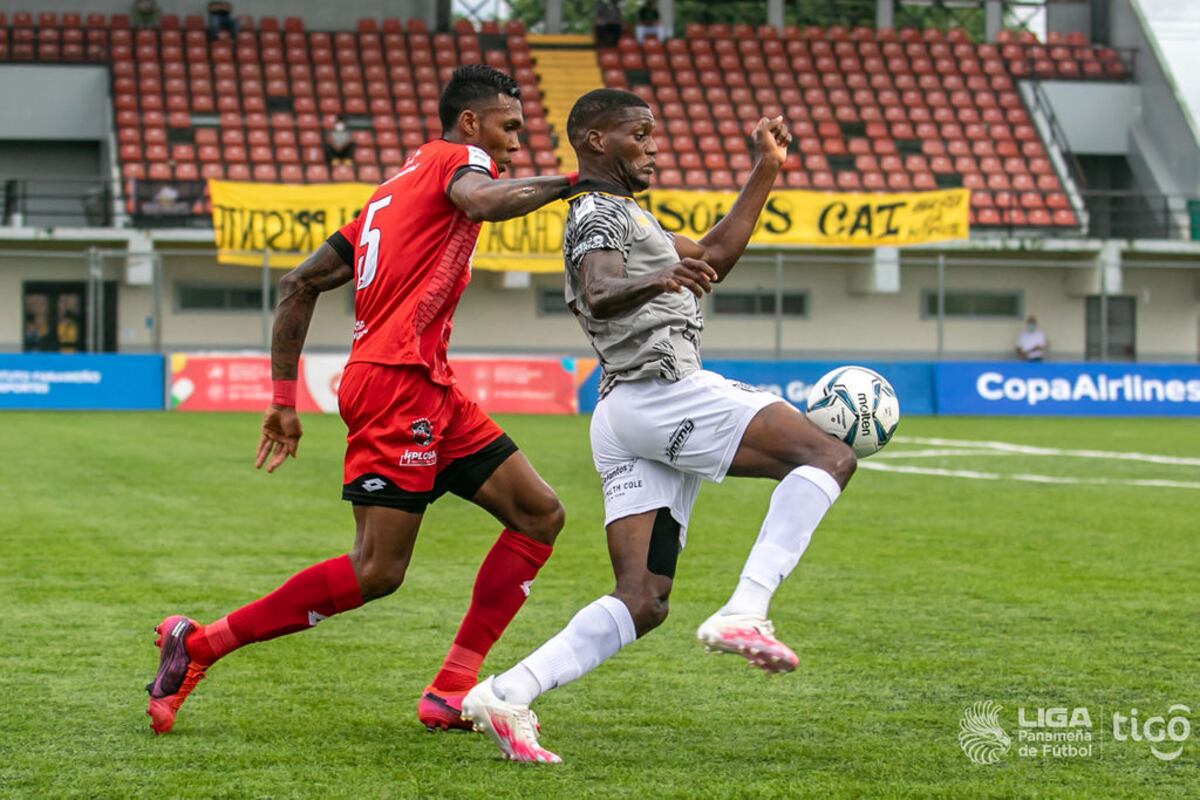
column 37, row 326
column 648, row 22
column 339, row 145
column 609, row 23
column 220, row 18
column 1032, row 344
column 68, row 332
column 145, row 14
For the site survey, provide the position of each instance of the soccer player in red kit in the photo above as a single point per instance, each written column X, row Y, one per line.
column 413, row 436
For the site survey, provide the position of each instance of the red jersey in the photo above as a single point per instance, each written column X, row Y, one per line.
column 412, row 260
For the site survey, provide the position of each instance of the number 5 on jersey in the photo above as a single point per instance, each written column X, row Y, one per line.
column 369, row 261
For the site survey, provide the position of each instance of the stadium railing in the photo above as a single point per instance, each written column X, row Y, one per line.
column 60, row 202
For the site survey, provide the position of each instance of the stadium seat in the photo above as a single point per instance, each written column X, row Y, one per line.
column 854, row 94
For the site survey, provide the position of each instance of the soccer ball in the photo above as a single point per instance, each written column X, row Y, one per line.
column 857, row 405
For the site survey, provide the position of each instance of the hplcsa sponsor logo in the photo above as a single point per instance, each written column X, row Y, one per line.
column 1132, row 388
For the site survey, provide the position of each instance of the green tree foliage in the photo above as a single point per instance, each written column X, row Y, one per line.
column 578, row 15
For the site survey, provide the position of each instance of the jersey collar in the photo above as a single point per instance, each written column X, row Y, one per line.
column 589, row 185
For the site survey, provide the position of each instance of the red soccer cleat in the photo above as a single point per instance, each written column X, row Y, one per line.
column 177, row 673
column 439, row 710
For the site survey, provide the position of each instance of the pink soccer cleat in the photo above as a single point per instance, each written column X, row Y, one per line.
column 177, row 673
column 752, row 638
column 514, row 728
column 438, row 710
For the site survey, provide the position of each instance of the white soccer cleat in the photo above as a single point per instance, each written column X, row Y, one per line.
column 752, row 638
column 514, row 728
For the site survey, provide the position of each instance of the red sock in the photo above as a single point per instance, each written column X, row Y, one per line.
column 500, row 590
column 307, row 597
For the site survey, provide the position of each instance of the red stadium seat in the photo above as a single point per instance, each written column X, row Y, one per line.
column 1064, row 218
column 265, row 173
column 797, row 180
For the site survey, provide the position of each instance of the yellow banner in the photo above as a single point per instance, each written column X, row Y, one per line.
column 292, row 221
column 533, row 243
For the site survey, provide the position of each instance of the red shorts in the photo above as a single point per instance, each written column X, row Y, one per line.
column 410, row 440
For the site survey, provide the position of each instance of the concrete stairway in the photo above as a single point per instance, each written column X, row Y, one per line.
column 566, row 68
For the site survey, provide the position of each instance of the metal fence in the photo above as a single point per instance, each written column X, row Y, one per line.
column 113, row 299
column 56, row 202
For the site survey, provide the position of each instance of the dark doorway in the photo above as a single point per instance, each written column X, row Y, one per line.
column 55, row 318
column 1122, row 328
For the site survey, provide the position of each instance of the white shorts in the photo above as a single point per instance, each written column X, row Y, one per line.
column 654, row 440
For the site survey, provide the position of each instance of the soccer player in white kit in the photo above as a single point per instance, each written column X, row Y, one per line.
column 664, row 423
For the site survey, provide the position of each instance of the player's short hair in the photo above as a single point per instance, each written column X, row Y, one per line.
column 469, row 85
column 595, row 109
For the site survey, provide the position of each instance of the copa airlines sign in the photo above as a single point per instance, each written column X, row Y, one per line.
column 1075, row 389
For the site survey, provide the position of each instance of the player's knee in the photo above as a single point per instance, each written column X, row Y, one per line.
column 378, row 577
column 649, row 610
column 840, row 462
column 542, row 518
column 829, row 454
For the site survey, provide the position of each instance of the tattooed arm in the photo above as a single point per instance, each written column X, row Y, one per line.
column 298, row 293
column 483, row 198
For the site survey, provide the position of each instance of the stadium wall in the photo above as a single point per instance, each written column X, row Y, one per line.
column 839, row 321
column 82, row 106
column 557, row 385
column 1164, row 142
column 1095, row 117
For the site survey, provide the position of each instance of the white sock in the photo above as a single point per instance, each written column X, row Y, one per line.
column 598, row 631
column 797, row 506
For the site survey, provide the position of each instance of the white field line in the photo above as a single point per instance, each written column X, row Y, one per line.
column 890, row 455
column 992, row 476
column 1021, row 449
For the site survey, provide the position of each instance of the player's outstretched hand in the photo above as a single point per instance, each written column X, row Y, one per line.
column 771, row 139
column 281, row 434
column 688, row 273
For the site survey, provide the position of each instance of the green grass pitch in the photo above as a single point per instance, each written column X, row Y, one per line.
column 919, row 596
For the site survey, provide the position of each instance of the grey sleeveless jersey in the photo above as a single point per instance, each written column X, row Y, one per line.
column 659, row 339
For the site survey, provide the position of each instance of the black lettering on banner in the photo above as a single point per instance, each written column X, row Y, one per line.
column 862, row 221
column 869, row 221
column 700, row 218
column 719, row 212
column 221, row 225
column 539, row 233
column 839, row 210
column 273, row 229
column 247, row 227
column 495, row 239
column 889, row 210
column 541, row 228
column 302, row 231
column 670, row 217
column 777, row 218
